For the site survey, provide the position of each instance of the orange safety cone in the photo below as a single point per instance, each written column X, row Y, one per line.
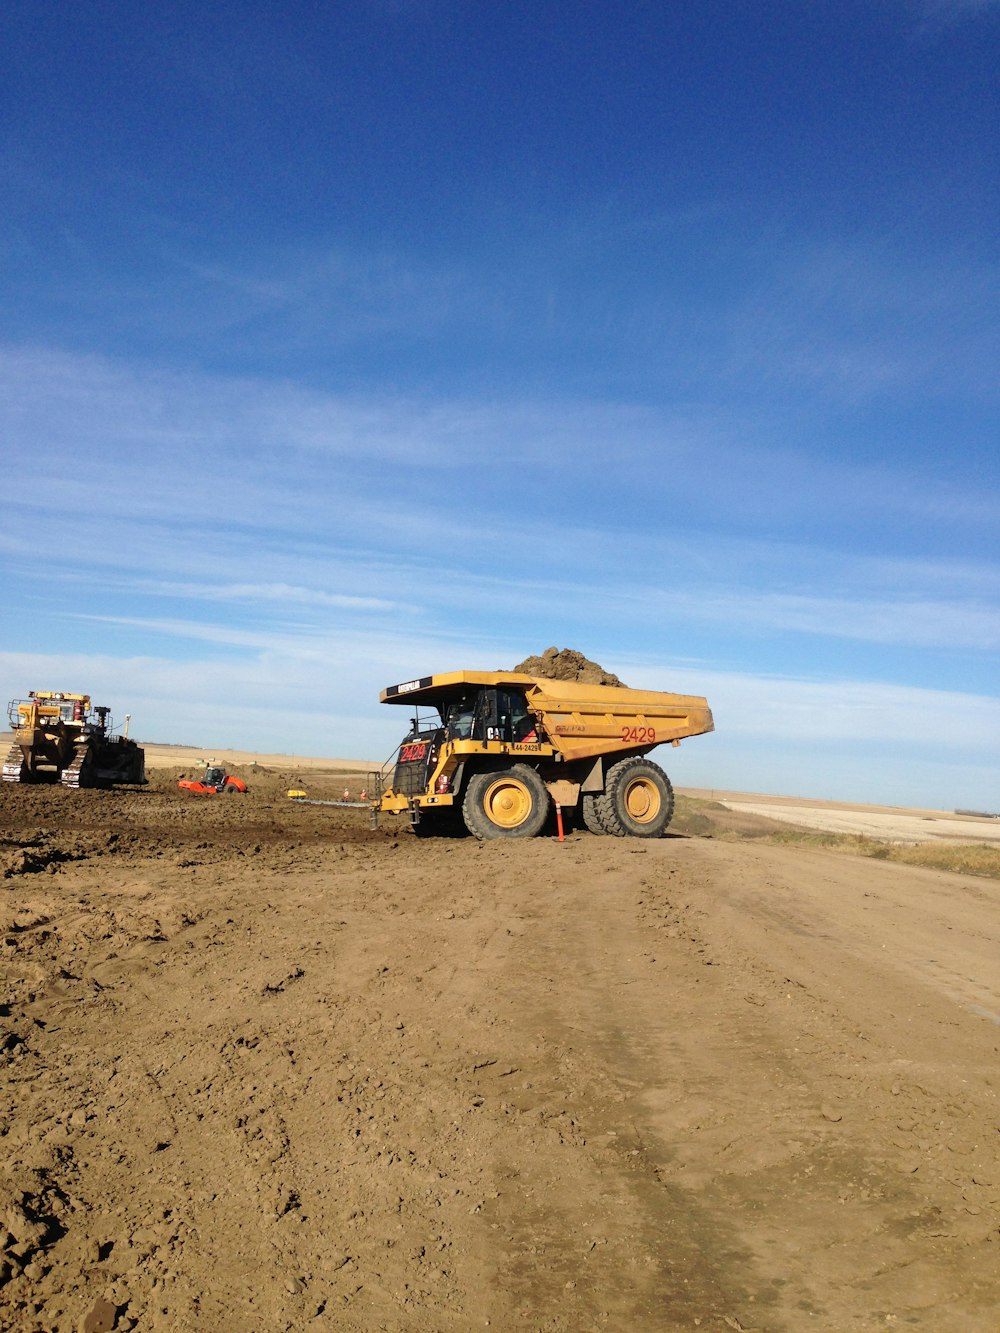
column 364, row 794
column 347, row 794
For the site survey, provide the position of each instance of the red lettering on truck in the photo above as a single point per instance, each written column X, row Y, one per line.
column 639, row 735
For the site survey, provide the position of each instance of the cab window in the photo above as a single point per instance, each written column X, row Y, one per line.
column 460, row 718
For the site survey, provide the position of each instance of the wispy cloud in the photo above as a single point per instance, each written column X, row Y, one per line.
column 275, row 503
column 343, row 296
column 846, row 711
column 863, row 324
column 727, row 595
column 877, row 619
column 194, row 448
column 280, row 594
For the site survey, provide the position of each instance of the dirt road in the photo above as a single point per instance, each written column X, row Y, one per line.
column 265, row 1069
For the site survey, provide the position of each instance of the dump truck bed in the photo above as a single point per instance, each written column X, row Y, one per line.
column 580, row 720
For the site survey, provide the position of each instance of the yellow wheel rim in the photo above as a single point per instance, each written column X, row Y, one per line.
column 642, row 800
column 507, row 803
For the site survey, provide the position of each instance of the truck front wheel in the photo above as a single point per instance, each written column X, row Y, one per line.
column 509, row 803
column 637, row 801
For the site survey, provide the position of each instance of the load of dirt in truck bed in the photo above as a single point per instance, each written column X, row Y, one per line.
column 567, row 664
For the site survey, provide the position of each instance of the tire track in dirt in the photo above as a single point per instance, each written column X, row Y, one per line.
column 828, row 1098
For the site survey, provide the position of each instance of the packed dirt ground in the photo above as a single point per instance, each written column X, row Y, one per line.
column 264, row 1068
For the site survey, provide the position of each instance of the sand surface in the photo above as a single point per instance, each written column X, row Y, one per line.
column 265, row 1068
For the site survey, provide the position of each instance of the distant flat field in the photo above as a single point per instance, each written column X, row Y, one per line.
column 888, row 823
column 174, row 756
column 170, row 756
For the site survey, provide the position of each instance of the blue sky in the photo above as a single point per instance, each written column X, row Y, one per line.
column 344, row 343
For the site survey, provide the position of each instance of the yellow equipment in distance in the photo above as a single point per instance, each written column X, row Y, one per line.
column 60, row 737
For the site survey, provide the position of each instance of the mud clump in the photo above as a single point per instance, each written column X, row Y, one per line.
column 567, row 664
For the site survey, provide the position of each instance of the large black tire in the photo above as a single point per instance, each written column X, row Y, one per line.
column 509, row 803
column 590, row 815
column 637, row 801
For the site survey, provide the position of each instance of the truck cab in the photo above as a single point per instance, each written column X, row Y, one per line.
column 490, row 713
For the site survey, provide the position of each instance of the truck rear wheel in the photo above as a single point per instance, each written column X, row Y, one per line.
column 510, row 803
column 591, row 816
column 637, row 801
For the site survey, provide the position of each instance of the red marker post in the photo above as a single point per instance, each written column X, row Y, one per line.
column 559, row 823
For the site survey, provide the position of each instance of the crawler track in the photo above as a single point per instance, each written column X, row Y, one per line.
column 13, row 765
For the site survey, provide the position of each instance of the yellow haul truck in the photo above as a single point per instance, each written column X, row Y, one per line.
column 500, row 747
column 59, row 737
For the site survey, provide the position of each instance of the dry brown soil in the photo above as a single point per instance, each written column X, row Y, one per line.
column 266, row 1069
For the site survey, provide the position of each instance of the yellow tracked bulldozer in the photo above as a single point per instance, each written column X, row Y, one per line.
column 61, row 738
column 501, row 747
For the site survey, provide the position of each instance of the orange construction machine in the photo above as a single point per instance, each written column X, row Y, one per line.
column 214, row 782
